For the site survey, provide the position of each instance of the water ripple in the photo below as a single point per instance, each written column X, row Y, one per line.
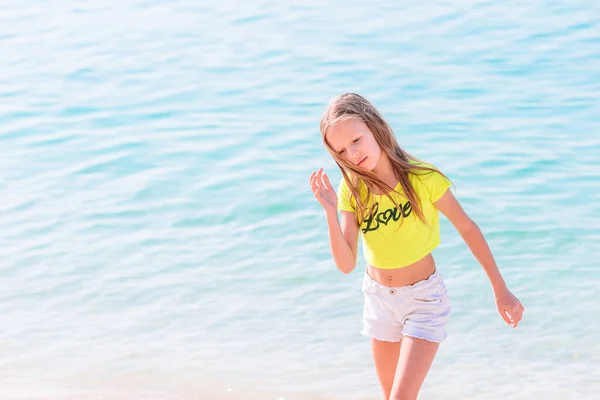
column 160, row 238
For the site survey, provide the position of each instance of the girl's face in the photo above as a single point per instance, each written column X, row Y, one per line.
column 353, row 141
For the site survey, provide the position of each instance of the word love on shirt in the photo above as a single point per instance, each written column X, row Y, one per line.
column 375, row 218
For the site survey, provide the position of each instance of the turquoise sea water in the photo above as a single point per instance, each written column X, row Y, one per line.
column 158, row 236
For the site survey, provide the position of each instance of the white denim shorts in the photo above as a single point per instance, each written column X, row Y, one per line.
column 420, row 310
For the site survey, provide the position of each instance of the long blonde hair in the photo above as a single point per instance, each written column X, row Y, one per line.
column 352, row 105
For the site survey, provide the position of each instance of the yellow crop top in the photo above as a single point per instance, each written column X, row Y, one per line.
column 384, row 244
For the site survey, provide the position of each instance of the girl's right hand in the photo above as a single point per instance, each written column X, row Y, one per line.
column 324, row 192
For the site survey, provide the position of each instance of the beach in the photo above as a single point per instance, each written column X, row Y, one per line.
column 159, row 236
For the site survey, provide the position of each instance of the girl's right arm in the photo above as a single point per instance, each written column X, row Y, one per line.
column 343, row 238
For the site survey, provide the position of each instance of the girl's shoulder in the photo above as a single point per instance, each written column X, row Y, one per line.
column 343, row 186
column 423, row 164
column 424, row 170
column 429, row 179
column 346, row 200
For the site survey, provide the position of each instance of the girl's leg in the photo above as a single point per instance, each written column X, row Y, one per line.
column 416, row 357
column 385, row 356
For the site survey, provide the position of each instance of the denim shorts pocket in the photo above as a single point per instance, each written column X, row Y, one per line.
column 429, row 298
column 435, row 294
column 368, row 287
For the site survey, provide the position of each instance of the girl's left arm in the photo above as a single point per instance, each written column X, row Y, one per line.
column 509, row 307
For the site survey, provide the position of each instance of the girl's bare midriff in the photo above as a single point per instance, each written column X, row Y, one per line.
column 404, row 276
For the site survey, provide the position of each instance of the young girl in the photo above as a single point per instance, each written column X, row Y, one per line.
column 393, row 199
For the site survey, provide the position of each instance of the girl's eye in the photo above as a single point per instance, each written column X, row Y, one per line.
column 356, row 140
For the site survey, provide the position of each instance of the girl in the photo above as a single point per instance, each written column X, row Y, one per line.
column 393, row 199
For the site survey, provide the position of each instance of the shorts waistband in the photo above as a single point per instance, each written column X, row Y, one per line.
column 373, row 284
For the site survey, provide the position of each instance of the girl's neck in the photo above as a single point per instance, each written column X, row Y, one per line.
column 385, row 171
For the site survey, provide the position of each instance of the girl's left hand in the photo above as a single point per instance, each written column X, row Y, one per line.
column 510, row 307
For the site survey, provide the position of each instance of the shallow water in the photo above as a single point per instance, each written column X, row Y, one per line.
column 160, row 239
